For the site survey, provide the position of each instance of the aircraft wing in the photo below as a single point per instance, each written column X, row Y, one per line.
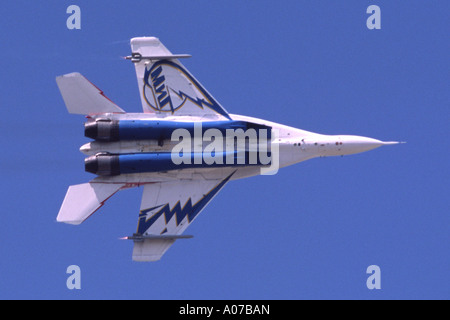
column 167, row 209
column 166, row 86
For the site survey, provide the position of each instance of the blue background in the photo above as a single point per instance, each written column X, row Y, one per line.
column 311, row 231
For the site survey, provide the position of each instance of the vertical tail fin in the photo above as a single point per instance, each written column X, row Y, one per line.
column 166, row 86
column 146, row 46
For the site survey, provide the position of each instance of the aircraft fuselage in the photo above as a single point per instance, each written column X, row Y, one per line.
column 130, row 144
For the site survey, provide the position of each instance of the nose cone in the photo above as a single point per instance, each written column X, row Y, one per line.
column 357, row 144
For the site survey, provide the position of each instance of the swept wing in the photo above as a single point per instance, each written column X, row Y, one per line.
column 167, row 209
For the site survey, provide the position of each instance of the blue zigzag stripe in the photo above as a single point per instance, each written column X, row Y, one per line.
column 189, row 210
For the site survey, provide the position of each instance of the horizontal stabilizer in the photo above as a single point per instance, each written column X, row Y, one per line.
column 82, row 97
column 83, row 200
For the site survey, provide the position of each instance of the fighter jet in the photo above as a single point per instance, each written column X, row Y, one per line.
column 182, row 149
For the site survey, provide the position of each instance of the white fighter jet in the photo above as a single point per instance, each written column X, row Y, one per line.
column 183, row 149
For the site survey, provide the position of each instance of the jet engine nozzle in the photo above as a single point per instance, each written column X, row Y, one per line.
column 102, row 130
column 102, row 164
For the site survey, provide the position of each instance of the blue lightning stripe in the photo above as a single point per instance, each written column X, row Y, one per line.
column 190, row 210
column 197, row 101
column 209, row 102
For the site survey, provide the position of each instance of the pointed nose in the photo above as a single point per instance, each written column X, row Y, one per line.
column 357, row 144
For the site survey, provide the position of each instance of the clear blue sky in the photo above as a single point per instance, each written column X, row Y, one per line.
column 309, row 232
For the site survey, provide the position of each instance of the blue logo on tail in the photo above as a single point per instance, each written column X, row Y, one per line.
column 166, row 88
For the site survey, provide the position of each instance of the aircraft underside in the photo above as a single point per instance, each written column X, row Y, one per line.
column 182, row 150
